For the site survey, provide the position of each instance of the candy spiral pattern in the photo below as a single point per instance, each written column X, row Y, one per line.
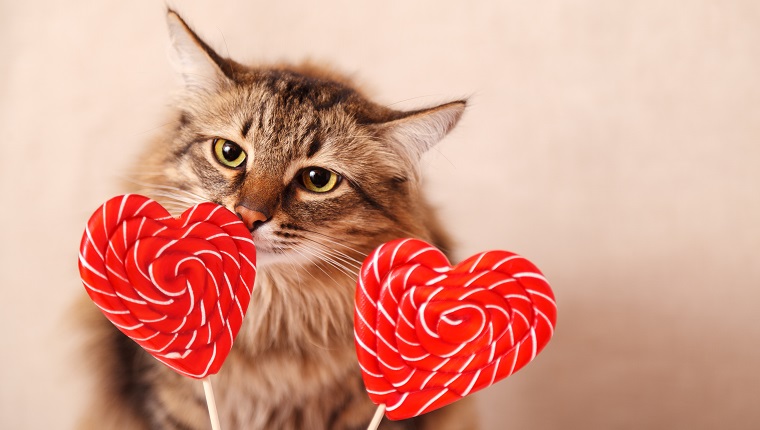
column 428, row 334
column 180, row 288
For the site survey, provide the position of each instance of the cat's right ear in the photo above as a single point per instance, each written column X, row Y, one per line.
column 202, row 69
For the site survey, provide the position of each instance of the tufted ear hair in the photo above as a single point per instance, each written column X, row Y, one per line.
column 415, row 132
column 202, row 69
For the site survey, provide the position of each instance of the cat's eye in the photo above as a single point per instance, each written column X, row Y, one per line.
column 319, row 180
column 229, row 153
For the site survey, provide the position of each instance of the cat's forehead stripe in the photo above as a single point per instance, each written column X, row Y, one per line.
column 246, row 127
column 315, row 143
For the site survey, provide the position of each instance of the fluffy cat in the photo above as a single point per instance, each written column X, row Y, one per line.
column 321, row 176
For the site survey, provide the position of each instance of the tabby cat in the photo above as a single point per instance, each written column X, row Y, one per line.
column 321, row 176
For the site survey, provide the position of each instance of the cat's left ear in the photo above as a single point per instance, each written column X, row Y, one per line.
column 418, row 131
column 202, row 69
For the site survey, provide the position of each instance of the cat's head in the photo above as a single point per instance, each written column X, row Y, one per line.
column 317, row 171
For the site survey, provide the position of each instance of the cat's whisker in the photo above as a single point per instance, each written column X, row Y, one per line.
column 342, row 257
column 349, row 264
column 345, row 260
column 294, row 264
column 295, row 249
column 172, row 193
column 339, row 242
column 320, row 255
column 336, row 253
column 172, row 189
column 297, row 266
column 407, row 233
column 178, row 198
column 335, row 264
column 174, row 198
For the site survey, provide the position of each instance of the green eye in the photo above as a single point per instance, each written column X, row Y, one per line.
column 319, row 180
column 229, row 153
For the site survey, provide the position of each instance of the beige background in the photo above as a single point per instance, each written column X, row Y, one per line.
column 615, row 143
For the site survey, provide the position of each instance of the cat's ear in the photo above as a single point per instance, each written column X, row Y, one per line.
column 202, row 69
column 417, row 131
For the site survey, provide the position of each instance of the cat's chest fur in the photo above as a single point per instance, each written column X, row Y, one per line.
column 293, row 365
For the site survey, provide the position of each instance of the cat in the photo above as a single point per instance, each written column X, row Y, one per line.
column 321, row 176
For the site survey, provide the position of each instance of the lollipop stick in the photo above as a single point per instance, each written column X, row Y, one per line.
column 213, row 414
column 375, row 423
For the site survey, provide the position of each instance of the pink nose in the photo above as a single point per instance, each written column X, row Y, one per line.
column 251, row 218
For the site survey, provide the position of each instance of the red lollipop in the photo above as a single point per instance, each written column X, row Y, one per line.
column 178, row 287
column 428, row 334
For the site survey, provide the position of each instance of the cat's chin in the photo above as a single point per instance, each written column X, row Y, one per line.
column 265, row 259
column 270, row 254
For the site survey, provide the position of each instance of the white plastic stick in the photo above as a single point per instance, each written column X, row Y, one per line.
column 213, row 414
column 375, row 423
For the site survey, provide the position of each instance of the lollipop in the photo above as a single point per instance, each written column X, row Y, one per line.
column 428, row 334
column 179, row 288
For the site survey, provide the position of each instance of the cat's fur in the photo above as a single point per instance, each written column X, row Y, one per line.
column 293, row 364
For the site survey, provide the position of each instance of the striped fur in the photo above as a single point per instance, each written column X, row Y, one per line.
column 293, row 365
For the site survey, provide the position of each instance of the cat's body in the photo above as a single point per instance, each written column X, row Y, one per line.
column 322, row 176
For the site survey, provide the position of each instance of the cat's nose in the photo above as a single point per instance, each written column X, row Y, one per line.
column 251, row 218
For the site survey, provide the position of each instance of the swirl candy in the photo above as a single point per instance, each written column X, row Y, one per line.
column 178, row 287
column 428, row 334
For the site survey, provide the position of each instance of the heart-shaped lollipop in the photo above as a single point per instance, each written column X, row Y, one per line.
column 428, row 334
column 178, row 287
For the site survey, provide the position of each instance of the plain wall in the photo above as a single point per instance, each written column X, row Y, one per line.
column 614, row 143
